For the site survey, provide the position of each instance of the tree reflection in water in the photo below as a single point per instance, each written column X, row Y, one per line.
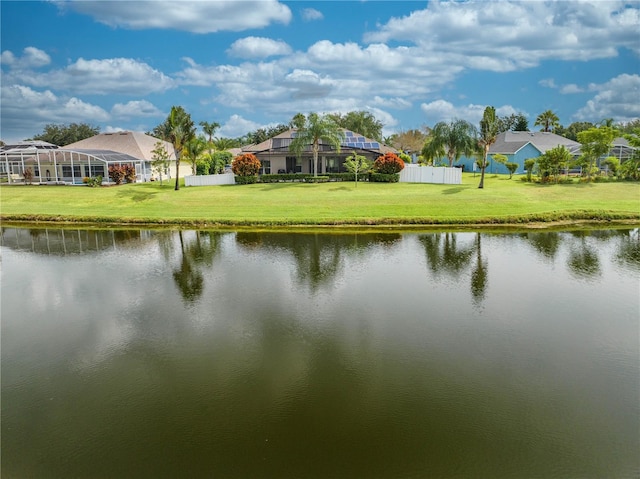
column 583, row 261
column 199, row 251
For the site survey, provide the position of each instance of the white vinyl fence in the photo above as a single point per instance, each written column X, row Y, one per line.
column 210, row 180
column 431, row 174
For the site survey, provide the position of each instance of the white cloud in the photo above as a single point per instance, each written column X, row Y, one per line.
column 137, row 108
column 311, row 14
column 192, row 16
column 548, row 83
column 102, row 77
column 442, row 110
column 25, row 111
column 258, row 47
column 237, row 126
column 509, row 35
column 617, row 98
column 570, row 89
column 32, row 58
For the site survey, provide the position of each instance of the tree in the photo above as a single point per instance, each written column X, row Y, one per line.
column 179, row 129
column 357, row 164
column 571, row 132
column 315, row 129
column 552, row 161
column 548, row 120
column 596, row 142
column 513, row 122
column 410, row 140
column 512, row 167
column 362, row 122
column 159, row 159
column 209, row 129
column 193, row 149
column 529, row 163
column 487, row 137
column 222, row 144
column 631, row 167
column 451, row 140
column 63, row 135
column 297, row 121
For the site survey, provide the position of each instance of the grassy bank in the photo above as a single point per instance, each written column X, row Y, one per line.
column 503, row 201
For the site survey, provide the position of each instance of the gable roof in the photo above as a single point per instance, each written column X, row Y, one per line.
column 510, row 142
column 135, row 144
column 280, row 144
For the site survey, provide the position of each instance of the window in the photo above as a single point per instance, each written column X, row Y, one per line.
column 265, row 167
column 66, row 171
column 294, row 164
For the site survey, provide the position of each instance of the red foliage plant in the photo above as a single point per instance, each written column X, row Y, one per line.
column 388, row 164
column 245, row 165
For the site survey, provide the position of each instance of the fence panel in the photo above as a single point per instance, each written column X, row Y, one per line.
column 210, row 180
column 431, row 174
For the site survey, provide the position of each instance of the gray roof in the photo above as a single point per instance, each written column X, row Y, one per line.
column 281, row 142
column 510, row 142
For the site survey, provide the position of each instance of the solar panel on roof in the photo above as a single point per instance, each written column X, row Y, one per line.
column 375, row 144
column 348, row 133
column 367, row 145
column 361, row 139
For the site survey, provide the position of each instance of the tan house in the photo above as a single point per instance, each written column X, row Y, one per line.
column 86, row 158
column 275, row 156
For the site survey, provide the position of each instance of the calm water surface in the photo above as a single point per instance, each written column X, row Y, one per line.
column 198, row 354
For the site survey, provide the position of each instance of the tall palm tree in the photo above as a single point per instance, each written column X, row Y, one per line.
column 451, row 140
column 193, row 149
column 209, row 129
column 315, row 129
column 180, row 130
column 489, row 128
column 548, row 120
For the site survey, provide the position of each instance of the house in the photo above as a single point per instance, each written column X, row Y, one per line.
column 86, row 158
column 275, row 156
column 518, row 146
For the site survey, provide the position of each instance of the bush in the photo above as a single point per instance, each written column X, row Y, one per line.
column 512, row 167
column 129, row 173
column 92, row 181
column 117, row 174
column 317, row 179
column 218, row 160
column 384, row 177
column 406, row 158
column 388, row 164
column 245, row 165
column 246, row 180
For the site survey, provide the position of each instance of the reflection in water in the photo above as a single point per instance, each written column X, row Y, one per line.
column 583, row 258
column 198, row 354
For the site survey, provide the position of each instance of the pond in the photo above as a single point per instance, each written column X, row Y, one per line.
column 236, row 354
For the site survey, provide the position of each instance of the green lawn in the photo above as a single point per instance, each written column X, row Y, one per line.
column 502, row 201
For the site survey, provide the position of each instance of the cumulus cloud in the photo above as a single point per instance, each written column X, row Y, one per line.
column 137, row 108
column 548, row 83
column 508, row 35
column 102, row 77
column 442, row 110
column 258, row 47
column 192, row 16
column 311, row 14
column 237, row 126
column 25, row 111
column 32, row 58
column 617, row 98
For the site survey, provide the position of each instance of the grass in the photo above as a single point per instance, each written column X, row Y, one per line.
column 502, row 201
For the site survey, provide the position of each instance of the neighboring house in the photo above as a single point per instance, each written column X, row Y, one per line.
column 275, row 156
column 86, row 158
column 518, row 146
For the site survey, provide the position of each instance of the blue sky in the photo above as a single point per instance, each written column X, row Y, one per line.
column 121, row 65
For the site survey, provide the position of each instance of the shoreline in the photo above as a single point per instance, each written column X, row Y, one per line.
column 577, row 220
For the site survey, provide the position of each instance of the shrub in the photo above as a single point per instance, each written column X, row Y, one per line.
column 28, row 176
column 117, row 174
column 512, row 167
column 218, row 160
column 245, row 165
column 613, row 165
column 246, row 180
column 92, row 181
column 406, row 158
column 129, row 173
column 528, row 165
column 384, row 177
column 388, row 164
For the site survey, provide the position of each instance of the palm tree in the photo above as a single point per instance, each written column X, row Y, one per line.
column 193, row 149
column 451, row 140
column 209, row 129
column 315, row 129
column 548, row 120
column 180, row 130
column 222, row 144
column 489, row 127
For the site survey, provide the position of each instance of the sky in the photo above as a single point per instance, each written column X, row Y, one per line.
column 122, row 65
